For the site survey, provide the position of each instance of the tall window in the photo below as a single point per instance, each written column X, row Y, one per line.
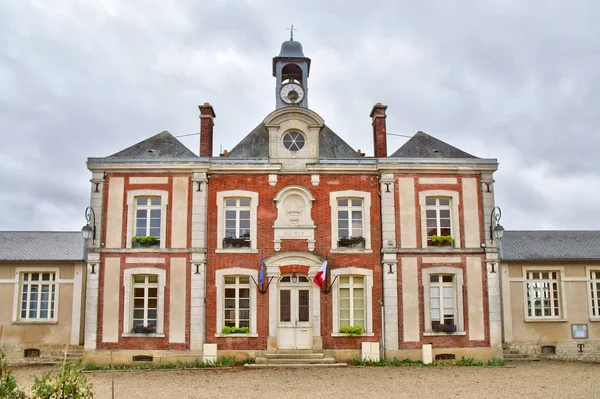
column 350, row 223
column 442, row 301
column 147, row 216
column 237, row 223
column 237, row 301
column 38, row 293
column 351, row 301
column 145, row 301
column 438, row 215
column 595, row 292
column 543, row 295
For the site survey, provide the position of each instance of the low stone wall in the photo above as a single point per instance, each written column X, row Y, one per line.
column 564, row 350
column 15, row 353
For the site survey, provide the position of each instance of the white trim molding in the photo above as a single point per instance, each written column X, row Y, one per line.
column 367, row 274
column 16, row 316
column 588, row 272
column 454, row 199
column 560, row 270
column 365, row 196
column 458, row 290
column 127, row 303
column 164, row 202
column 220, row 286
column 221, row 196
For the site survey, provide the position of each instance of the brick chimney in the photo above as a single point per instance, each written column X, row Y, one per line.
column 379, row 130
column 207, row 116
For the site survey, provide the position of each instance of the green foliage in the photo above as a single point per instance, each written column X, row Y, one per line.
column 351, row 330
column 8, row 383
column 226, row 361
column 144, row 241
column 496, row 363
column 235, row 330
column 249, row 360
column 441, row 240
column 68, row 383
column 467, row 361
column 406, row 362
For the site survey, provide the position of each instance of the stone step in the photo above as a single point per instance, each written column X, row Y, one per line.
column 295, row 356
column 326, row 360
column 511, row 352
column 523, row 359
column 295, row 365
column 294, row 351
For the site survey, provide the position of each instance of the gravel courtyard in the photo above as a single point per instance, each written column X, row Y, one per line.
column 521, row 380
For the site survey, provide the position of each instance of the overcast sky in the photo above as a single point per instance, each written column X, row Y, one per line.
column 515, row 80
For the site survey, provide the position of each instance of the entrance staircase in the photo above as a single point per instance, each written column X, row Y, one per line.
column 295, row 358
column 511, row 355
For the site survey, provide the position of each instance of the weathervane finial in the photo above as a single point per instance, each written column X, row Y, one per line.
column 292, row 32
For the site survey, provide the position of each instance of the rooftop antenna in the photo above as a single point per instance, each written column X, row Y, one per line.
column 292, row 32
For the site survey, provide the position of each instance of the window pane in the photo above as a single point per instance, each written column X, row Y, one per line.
column 342, row 202
column 244, row 202
column 430, row 201
column 244, row 280
column 153, row 292
column 447, row 278
column 444, row 201
column 434, row 279
column 155, row 201
column 153, row 279
column 356, row 202
column 142, row 201
column 230, row 202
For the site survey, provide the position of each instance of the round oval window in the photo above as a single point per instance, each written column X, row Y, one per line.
column 293, row 141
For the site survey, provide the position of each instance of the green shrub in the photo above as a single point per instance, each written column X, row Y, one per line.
column 496, row 363
column 441, row 240
column 144, row 241
column 235, row 330
column 227, row 361
column 68, row 383
column 351, row 330
column 8, row 383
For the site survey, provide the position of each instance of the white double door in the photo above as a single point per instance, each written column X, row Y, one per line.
column 294, row 327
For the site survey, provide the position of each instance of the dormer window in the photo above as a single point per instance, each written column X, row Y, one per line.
column 293, row 141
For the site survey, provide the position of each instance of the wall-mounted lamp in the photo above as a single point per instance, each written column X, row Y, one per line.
column 89, row 231
column 294, row 278
column 497, row 231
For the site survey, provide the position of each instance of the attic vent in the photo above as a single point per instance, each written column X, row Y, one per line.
column 31, row 353
column 435, row 151
column 142, row 358
column 150, row 151
column 445, row 356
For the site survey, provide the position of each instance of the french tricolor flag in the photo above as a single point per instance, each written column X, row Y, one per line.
column 320, row 277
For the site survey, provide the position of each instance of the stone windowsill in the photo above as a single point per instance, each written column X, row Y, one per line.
column 236, row 335
column 236, row 251
column 45, row 321
column 355, row 336
column 545, row 320
column 436, row 334
column 145, row 250
column 436, row 250
column 141, row 335
column 351, row 251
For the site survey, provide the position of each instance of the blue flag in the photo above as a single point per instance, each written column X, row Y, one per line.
column 261, row 278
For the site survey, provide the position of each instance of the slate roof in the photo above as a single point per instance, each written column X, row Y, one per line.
column 41, row 245
column 256, row 145
column 422, row 145
column 161, row 145
column 551, row 245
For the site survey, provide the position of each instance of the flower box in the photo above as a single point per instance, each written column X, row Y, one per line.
column 233, row 242
column 351, row 242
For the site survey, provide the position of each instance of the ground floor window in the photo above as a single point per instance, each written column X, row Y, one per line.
column 144, row 299
column 38, row 296
column 595, row 293
column 443, row 300
column 145, row 302
column 351, row 301
column 542, row 294
column 237, row 301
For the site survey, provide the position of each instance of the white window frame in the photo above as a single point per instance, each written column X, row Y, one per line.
column 441, row 285
column 128, row 299
column 560, row 276
column 18, row 292
column 458, row 290
column 164, row 202
column 221, row 196
column 437, row 208
column 148, row 208
column 220, row 287
column 333, row 204
column 454, row 216
column 593, row 296
column 367, row 275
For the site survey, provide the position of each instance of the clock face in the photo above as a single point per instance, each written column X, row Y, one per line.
column 292, row 93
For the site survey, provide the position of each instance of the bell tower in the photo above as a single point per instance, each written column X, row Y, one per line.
column 291, row 69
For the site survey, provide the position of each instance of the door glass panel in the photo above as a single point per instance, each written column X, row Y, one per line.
column 284, row 306
column 303, row 306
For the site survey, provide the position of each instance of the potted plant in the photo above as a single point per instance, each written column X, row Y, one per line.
column 145, row 241
column 353, row 331
column 235, row 330
column 442, row 241
column 444, row 328
column 141, row 329
column 352, row 242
